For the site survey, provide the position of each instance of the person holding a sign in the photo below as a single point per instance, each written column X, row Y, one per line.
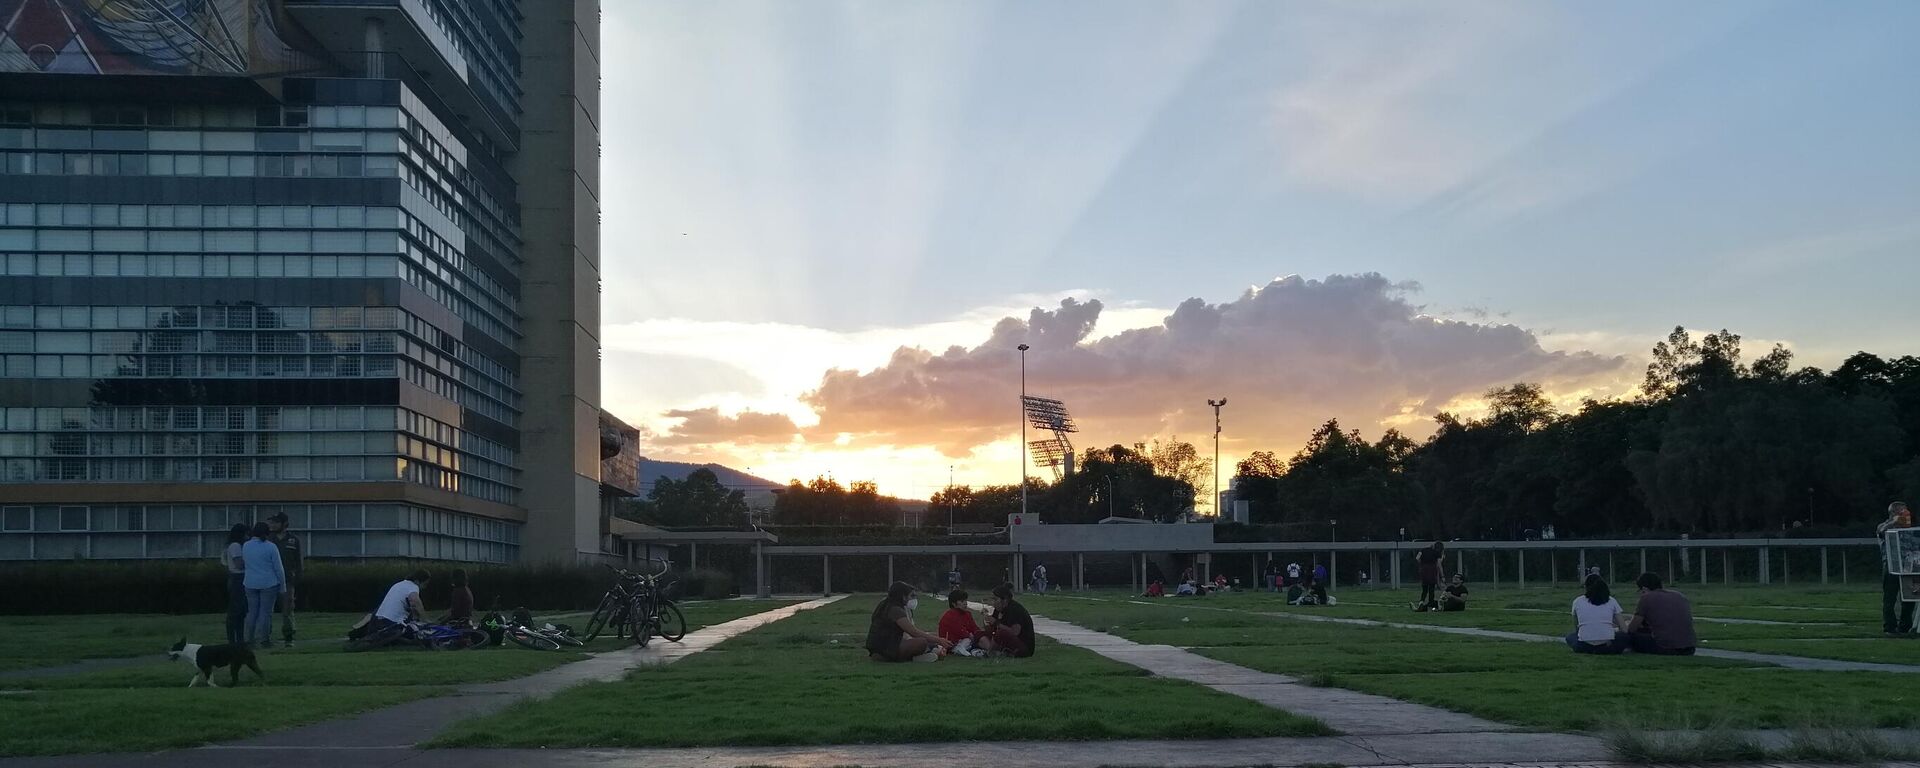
column 1898, row 516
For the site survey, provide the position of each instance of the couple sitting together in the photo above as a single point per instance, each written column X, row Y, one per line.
column 1662, row 622
column 892, row 635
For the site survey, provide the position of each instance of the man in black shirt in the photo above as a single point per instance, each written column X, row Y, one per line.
column 293, row 559
column 1013, row 626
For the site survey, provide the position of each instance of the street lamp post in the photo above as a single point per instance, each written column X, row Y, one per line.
column 1023, row 431
column 1216, row 453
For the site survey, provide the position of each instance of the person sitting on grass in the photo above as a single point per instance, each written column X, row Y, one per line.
column 1012, row 626
column 1454, row 597
column 460, row 609
column 1662, row 622
column 957, row 627
column 1156, row 589
column 1599, row 625
column 1294, row 592
column 891, row 635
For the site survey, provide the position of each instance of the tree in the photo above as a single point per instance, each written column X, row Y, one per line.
column 699, row 500
column 1260, row 464
column 1179, row 460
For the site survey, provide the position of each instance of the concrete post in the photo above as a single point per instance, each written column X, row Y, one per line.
column 889, row 571
column 1080, row 570
column 1143, row 572
column 1765, row 569
column 763, row 589
column 1333, row 569
column 1643, row 560
column 1786, row 565
column 1493, row 565
column 1373, row 567
column 1703, row 566
column 1394, row 560
column 826, row 575
column 693, row 555
column 1553, row 567
column 1523, row 569
column 1726, row 565
column 1823, row 565
column 1613, row 574
column 953, row 562
column 1582, row 577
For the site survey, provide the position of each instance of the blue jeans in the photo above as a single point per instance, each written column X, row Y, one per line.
column 260, row 614
column 236, row 608
column 1615, row 646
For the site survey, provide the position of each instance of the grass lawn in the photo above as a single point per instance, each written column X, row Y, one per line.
column 806, row 680
column 1831, row 622
column 75, row 721
column 146, row 706
column 1535, row 684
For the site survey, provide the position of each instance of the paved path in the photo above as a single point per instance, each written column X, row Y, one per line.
column 1478, row 751
column 1774, row 659
column 418, row 721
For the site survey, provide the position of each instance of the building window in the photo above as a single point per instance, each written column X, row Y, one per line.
column 73, row 518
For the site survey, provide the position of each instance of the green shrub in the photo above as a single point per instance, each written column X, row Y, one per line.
column 200, row 587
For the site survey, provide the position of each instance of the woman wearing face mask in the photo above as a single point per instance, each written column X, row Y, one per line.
column 893, row 637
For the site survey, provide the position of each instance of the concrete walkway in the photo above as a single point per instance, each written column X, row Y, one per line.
column 1772, row 659
column 415, row 722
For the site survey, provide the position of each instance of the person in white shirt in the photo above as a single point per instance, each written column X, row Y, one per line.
column 1293, row 573
column 1599, row 625
column 402, row 603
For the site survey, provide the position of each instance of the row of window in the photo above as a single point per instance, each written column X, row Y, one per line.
column 225, row 342
column 232, row 316
column 174, row 546
column 122, row 139
column 210, row 417
column 199, row 115
column 199, row 366
column 152, row 164
column 87, row 444
column 262, row 216
column 195, row 241
column 194, row 470
column 301, row 518
column 196, row 265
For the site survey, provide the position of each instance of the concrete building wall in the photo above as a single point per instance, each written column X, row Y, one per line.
column 558, row 167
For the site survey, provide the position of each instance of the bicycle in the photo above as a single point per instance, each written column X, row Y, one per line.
column 656, row 614
column 615, row 606
column 548, row 638
column 438, row 637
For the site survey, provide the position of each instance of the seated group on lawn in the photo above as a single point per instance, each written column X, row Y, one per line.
column 892, row 635
column 1662, row 622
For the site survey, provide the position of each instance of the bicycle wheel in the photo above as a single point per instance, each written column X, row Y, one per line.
column 642, row 620
column 567, row 639
column 672, row 625
column 470, row 638
column 526, row 638
column 376, row 639
column 605, row 616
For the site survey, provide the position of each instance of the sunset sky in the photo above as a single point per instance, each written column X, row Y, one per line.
column 827, row 226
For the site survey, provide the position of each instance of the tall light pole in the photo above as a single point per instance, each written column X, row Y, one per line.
column 1216, row 453
column 1023, row 431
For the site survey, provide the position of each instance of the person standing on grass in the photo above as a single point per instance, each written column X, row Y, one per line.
column 1012, row 626
column 1320, row 575
column 294, row 560
column 265, row 576
column 1040, row 578
column 1898, row 516
column 1272, row 574
column 891, row 635
column 1293, row 573
column 1599, row 624
column 1662, row 622
column 1432, row 562
column 236, row 584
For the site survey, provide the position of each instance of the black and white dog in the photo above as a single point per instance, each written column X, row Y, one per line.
column 207, row 658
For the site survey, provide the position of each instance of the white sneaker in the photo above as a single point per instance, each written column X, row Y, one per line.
column 928, row 656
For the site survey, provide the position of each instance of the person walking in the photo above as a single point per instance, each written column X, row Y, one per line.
column 236, row 584
column 1898, row 516
column 294, row 560
column 265, row 576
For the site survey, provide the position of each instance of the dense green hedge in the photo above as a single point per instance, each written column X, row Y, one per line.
column 199, row 587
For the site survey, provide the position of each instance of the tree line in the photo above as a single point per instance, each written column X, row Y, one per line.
column 1711, row 445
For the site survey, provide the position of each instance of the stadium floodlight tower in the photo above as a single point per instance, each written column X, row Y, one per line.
column 1054, row 452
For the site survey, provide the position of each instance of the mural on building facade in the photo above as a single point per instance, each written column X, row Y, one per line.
column 144, row 37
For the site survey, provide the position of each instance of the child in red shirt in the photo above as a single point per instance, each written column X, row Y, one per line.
column 956, row 625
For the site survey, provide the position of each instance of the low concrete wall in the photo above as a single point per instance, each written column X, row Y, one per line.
column 1113, row 537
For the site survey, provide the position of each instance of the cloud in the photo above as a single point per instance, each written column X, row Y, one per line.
column 707, row 425
column 1288, row 355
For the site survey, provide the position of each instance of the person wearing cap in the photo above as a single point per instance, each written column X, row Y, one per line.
column 1898, row 516
column 292, row 559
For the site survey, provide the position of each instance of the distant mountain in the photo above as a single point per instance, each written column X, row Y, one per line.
column 651, row 470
